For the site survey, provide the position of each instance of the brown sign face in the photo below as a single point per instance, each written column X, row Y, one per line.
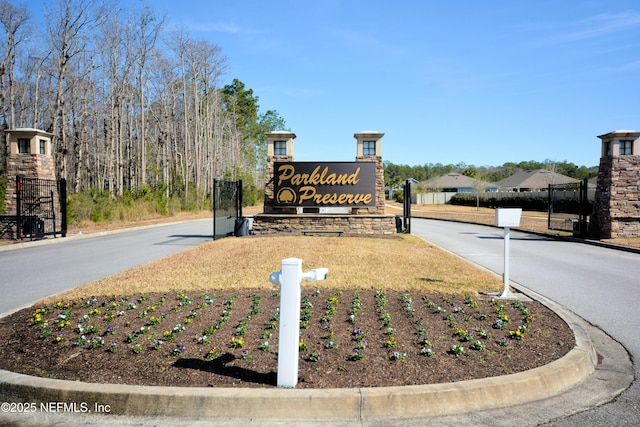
column 339, row 184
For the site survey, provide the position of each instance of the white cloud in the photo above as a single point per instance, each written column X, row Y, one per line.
column 600, row 25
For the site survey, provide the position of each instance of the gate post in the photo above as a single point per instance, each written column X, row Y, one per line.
column 62, row 194
column 407, row 207
column 239, row 199
column 213, row 202
column 18, row 206
column 549, row 206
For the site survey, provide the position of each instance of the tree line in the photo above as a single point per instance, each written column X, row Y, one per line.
column 397, row 174
column 133, row 105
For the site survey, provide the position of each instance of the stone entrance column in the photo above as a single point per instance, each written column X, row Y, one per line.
column 28, row 155
column 616, row 211
column 279, row 149
column 370, row 150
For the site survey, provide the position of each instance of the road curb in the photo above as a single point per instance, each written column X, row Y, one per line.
column 329, row 406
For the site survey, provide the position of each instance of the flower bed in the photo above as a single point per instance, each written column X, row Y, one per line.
column 228, row 339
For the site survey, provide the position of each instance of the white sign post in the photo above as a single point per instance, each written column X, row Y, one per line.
column 507, row 218
column 289, row 278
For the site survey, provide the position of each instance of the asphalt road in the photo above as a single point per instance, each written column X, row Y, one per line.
column 39, row 270
column 601, row 285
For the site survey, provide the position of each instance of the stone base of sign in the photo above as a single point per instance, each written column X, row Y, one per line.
column 325, row 225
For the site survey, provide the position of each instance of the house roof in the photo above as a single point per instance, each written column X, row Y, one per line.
column 539, row 178
column 455, row 180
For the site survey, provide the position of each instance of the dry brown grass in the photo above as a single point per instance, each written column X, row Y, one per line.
column 87, row 227
column 533, row 221
column 403, row 263
column 633, row 242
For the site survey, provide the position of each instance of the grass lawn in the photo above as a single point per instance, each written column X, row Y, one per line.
column 403, row 263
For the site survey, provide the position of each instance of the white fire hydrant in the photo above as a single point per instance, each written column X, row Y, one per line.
column 289, row 278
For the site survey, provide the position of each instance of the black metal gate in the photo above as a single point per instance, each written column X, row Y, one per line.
column 227, row 209
column 41, row 208
column 569, row 207
column 407, row 207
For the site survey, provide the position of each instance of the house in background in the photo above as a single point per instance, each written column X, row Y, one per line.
column 458, row 183
column 534, row 180
column 440, row 189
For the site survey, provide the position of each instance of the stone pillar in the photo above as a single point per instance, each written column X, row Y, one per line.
column 369, row 149
column 28, row 155
column 279, row 149
column 616, row 211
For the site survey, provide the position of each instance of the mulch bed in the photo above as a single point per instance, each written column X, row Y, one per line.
column 351, row 338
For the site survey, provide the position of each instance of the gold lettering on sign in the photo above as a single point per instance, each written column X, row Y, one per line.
column 317, row 177
column 310, row 193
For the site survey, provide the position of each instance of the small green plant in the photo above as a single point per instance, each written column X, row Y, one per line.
column 132, row 337
column 483, row 333
column 212, row 354
column 458, row 350
column 397, row 355
column 178, row 350
column 81, row 341
column 97, row 342
column 358, row 354
column 470, row 302
column 265, row 346
column 503, row 342
column 92, row 329
column 425, row 341
column 478, row 346
column 464, row 334
column 237, row 342
column 518, row 334
column 358, row 335
column 427, row 352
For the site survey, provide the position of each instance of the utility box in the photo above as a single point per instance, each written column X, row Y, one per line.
column 508, row 217
column 33, row 228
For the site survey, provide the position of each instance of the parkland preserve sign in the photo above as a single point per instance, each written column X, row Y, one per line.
column 333, row 184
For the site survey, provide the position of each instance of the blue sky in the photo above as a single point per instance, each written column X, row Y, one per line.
column 481, row 83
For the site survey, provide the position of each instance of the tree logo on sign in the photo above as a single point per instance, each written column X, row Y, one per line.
column 286, row 195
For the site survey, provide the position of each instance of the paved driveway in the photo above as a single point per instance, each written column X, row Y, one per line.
column 601, row 285
column 39, row 270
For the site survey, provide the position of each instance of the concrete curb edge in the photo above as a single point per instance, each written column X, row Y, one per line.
column 344, row 405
